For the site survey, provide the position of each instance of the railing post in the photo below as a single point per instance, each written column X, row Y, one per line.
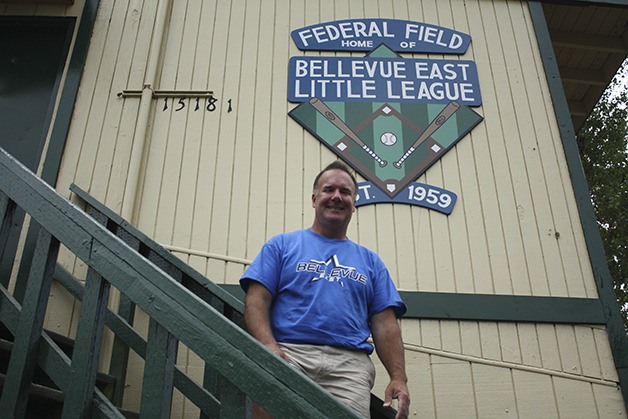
column 210, row 383
column 78, row 398
column 120, row 352
column 119, row 363
column 161, row 356
column 24, row 354
column 7, row 210
column 232, row 402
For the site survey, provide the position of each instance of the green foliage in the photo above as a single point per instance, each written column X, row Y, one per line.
column 603, row 144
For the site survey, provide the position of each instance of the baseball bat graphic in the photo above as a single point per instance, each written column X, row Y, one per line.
column 438, row 122
column 324, row 110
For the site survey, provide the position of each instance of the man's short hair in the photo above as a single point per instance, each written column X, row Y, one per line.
column 337, row 165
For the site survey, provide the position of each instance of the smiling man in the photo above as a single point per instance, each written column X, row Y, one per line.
column 314, row 297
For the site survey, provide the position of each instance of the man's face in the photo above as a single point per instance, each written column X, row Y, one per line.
column 334, row 200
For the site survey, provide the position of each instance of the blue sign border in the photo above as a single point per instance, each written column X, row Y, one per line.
column 419, row 194
column 366, row 34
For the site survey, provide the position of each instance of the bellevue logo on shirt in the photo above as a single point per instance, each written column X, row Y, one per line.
column 331, row 270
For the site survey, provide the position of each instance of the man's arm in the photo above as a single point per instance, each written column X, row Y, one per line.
column 257, row 316
column 389, row 346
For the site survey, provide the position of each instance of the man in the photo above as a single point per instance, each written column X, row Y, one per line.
column 314, row 297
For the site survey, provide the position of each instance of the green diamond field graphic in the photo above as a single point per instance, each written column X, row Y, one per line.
column 391, row 144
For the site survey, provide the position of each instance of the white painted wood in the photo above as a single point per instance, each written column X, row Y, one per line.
column 420, row 380
column 548, row 345
column 569, row 354
column 490, row 341
column 430, row 334
column 509, row 343
column 494, row 392
column 575, row 399
column 535, row 395
column 530, row 194
column 450, row 336
column 589, row 358
column 526, row 389
column 470, row 339
column 608, row 371
column 191, row 76
column 507, row 164
column 485, row 161
column 608, row 401
column 529, row 344
column 74, row 147
column 404, row 260
column 452, row 381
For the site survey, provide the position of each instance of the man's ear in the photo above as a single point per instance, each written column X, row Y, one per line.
column 313, row 199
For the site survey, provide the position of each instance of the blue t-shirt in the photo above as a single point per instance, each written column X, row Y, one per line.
column 324, row 290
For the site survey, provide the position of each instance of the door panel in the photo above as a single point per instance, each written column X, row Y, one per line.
column 33, row 52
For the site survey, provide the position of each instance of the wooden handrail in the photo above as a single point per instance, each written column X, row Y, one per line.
column 245, row 363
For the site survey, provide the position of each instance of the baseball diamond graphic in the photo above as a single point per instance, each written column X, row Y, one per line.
column 324, row 110
column 423, row 133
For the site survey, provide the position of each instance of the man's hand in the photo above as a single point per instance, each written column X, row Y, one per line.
column 398, row 390
column 389, row 346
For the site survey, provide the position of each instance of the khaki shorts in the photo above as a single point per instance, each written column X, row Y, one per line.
column 347, row 375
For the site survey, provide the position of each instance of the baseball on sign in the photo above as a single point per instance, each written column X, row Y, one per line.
column 388, row 138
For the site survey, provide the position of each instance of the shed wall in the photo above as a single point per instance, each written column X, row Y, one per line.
column 216, row 184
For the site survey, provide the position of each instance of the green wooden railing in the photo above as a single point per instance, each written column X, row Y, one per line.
column 183, row 306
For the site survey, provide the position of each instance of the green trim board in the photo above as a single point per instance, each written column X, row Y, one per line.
column 63, row 116
column 595, row 248
column 503, row 308
column 491, row 307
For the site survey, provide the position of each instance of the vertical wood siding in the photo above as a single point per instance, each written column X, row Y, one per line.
column 223, row 182
column 217, row 184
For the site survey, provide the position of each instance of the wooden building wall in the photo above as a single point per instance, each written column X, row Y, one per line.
column 215, row 185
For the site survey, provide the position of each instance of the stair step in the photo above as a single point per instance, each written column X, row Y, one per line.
column 43, row 402
column 47, row 403
column 43, row 390
column 39, row 391
column 104, row 382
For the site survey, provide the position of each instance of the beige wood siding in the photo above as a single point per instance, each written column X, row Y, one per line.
column 215, row 185
column 486, row 370
column 223, row 182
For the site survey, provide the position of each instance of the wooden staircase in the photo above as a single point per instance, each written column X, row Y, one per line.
column 50, row 374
